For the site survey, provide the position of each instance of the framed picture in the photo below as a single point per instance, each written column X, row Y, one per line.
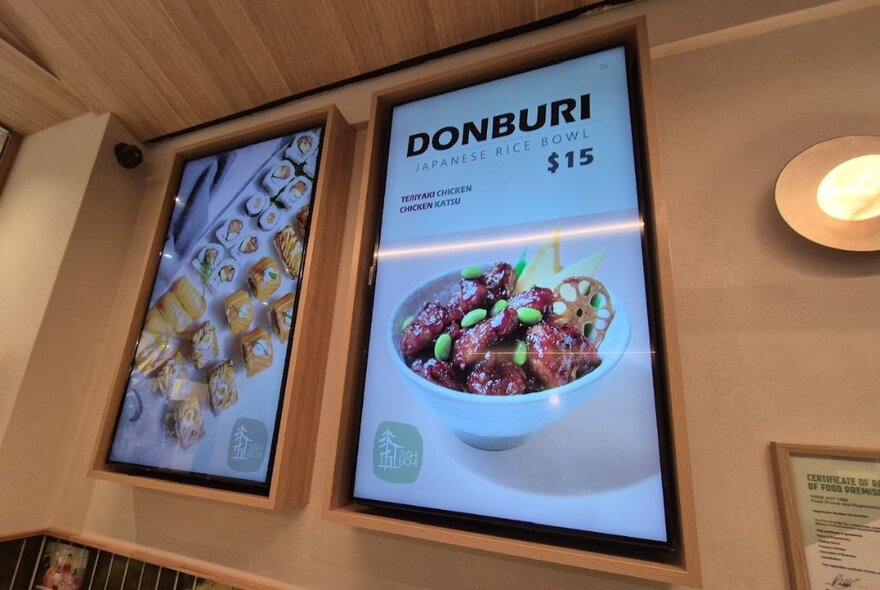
column 829, row 498
column 62, row 567
column 218, row 370
column 519, row 384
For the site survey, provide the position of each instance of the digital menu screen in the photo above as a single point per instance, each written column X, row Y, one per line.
column 511, row 373
column 205, row 387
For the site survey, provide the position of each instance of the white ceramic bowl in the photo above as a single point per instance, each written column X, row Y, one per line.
column 497, row 423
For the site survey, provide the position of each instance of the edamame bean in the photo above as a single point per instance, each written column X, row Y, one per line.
column 443, row 347
column 499, row 306
column 529, row 316
column 519, row 353
column 473, row 317
column 405, row 323
column 471, row 272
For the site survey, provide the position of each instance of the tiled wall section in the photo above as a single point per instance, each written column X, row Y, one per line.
column 20, row 562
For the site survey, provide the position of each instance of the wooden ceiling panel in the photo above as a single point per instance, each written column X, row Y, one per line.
column 83, row 49
column 548, row 8
column 166, row 65
column 297, row 37
column 385, row 32
column 230, row 47
column 459, row 21
column 31, row 98
column 166, row 60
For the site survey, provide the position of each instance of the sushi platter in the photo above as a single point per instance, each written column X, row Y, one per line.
column 205, row 386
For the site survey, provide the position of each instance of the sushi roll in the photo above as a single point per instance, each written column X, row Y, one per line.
column 230, row 231
column 132, row 406
column 281, row 316
column 222, row 390
column 152, row 351
column 256, row 204
column 256, row 350
column 269, row 219
column 300, row 188
column 206, row 261
column 188, row 423
column 278, row 177
column 301, row 222
column 189, row 297
column 173, row 378
column 173, row 311
column 204, row 345
column 290, row 250
column 264, row 278
column 248, row 244
column 155, row 323
column 311, row 166
column 225, row 274
column 239, row 311
column 303, row 145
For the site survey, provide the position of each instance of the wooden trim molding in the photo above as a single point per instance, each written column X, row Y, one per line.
column 682, row 565
column 20, row 534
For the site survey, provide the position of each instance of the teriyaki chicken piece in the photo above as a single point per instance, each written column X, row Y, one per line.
column 500, row 282
column 439, row 372
column 430, row 322
column 497, row 376
column 558, row 354
column 539, row 298
column 475, row 342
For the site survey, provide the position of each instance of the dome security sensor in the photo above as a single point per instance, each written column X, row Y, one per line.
column 128, row 156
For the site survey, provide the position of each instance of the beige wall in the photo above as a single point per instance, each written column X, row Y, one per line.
column 779, row 336
column 84, row 214
column 38, row 207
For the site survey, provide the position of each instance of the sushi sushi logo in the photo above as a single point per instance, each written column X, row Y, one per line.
column 397, row 452
column 247, row 445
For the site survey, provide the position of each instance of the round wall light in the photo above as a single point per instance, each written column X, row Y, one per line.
column 830, row 193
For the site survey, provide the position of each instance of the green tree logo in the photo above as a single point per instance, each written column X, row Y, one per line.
column 248, row 444
column 397, row 452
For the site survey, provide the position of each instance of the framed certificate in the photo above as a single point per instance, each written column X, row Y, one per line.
column 226, row 354
column 829, row 498
column 514, row 326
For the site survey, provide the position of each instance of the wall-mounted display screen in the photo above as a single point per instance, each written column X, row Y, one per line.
column 512, row 375
column 205, row 386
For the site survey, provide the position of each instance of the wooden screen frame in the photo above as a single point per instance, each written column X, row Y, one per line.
column 682, row 567
column 300, row 410
column 791, row 529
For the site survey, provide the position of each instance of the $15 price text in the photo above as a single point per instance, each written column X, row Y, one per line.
column 569, row 159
